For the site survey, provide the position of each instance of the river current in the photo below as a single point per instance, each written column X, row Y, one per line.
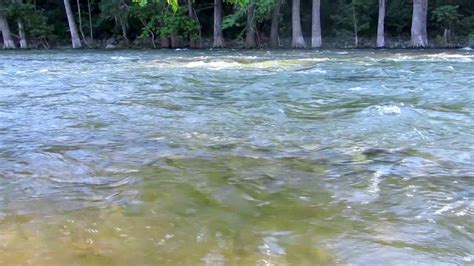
column 236, row 157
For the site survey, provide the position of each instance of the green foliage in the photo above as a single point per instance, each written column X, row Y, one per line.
column 46, row 20
column 471, row 38
column 236, row 19
column 148, row 13
column 466, row 26
column 446, row 17
column 398, row 17
column 114, row 10
column 344, row 19
column 178, row 24
column 239, row 3
column 172, row 3
column 35, row 22
column 264, row 10
column 164, row 19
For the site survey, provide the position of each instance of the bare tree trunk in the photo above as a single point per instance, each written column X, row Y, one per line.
column 90, row 20
column 21, row 31
column 79, row 15
column 316, row 40
column 218, row 36
column 297, row 40
column 76, row 41
column 193, row 41
column 251, row 25
column 447, row 37
column 419, row 35
column 152, row 34
column 274, row 40
column 381, row 24
column 7, row 36
column 123, row 26
column 356, row 30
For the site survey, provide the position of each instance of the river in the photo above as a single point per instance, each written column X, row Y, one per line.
column 236, row 157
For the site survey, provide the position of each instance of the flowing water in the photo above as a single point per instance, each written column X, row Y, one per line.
column 236, row 157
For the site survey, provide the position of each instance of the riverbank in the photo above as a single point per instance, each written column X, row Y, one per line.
column 118, row 42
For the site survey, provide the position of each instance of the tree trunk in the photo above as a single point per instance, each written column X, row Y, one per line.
column 419, row 36
column 123, row 26
column 76, row 41
column 21, row 31
column 165, row 42
column 194, row 42
column 90, row 20
column 218, row 36
column 381, row 24
column 356, row 29
column 7, row 36
column 316, row 40
column 79, row 15
column 297, row 40
column 251, row 25
column 274, row 40
column 447, row 37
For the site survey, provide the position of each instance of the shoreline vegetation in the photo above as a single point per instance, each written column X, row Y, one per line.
column 100, row 46
column 236, row 24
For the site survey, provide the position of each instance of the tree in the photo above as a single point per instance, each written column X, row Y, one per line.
column 5, row 28
column 251, row 25
column 398, row 17
column 274, row 40
column 79, row 16
column 21, row 29
column 316, row 40
column 447, row 17
column 218, row 36
column 194, row 40
column 356, row 28
column 119, row 12
column 297, row 40
column 76, row 42
column 381, row 24
column 419, row 35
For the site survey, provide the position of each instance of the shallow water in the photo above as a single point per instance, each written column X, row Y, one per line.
column 236, row 157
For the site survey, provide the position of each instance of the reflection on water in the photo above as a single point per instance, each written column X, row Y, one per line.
column 236, row 158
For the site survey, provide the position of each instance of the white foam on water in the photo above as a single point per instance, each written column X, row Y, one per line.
column 451, row 57
column 120, row 58
column 434, row 57
column 451, row 207
column 444, row 209
column 323, row 59
column 356, row 89
column 422, row 136
column 388, row 109
column 374, row 188
column 212, row 64
column 271, row 247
